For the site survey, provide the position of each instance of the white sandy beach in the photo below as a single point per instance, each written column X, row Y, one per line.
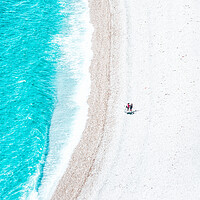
column 147, row 53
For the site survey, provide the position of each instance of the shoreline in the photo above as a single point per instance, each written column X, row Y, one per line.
column 86, row 160
column 153, row 154
column 83, row 157
column 66, row 131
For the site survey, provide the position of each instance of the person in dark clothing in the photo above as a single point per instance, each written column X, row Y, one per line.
column 131, row 107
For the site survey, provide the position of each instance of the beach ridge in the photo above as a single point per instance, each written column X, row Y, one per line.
column 83, row 158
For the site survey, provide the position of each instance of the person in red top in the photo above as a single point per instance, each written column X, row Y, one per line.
column 128, row 106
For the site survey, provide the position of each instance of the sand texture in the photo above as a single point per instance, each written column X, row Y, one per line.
column 101, row 69
column 154, row 154
column 152, row 60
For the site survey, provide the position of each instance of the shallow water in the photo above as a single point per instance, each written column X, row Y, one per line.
column 40, row 68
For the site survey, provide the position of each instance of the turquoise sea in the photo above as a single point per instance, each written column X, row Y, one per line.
column 42, row 59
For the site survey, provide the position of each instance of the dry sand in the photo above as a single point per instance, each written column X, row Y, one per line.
column 105, row 87
column 154, row 154
column 152, row 60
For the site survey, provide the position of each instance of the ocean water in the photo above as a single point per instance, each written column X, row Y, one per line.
column 44, row 83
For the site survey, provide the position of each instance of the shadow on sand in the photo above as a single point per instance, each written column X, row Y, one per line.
column 130, row 112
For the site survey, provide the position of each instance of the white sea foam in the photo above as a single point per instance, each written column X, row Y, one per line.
column 32, row 184
column 22, row 81
column 75, row 47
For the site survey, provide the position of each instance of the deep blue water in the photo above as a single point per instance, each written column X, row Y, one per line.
column 30, row 64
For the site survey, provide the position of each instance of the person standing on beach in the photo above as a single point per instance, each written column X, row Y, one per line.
column 131, row 107
column 128, row 106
